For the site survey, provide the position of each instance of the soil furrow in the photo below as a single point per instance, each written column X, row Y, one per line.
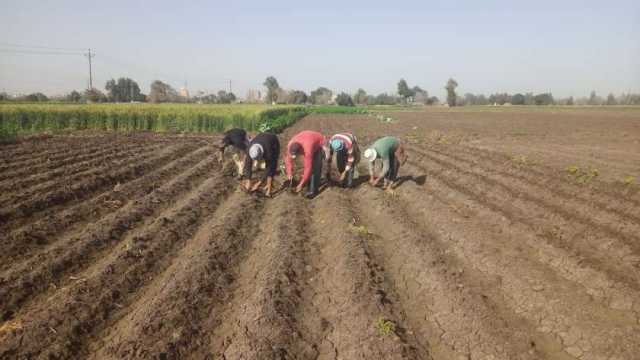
column 74, row 193
column 25, row 194
column 76, row 251
column 456, row 309
column 620, row 242
column 259, row 321
column 612, row 195
column 84, row 305
column 555, row 229
column 22, row 242
column 66, row 153
column 530, row 288
column 32, row 176
column 572, row 193
column 188, row 294
column 344, row 301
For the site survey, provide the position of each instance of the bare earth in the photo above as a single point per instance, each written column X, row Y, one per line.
column 512, row 235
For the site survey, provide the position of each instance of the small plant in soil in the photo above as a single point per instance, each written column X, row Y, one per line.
column 361, row 230
column 385, row 327
column 582, row 174
column 521, row 161
column 630, row 181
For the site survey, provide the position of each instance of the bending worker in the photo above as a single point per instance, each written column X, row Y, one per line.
column 312, row 146
column 238, row 139
column 347, row 152
column 264, row 146
column 390, row 151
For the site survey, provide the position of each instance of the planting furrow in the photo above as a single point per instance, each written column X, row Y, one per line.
column 609, row 194
column 559, row 186
column 617, row 240
column 66, row 152
column 32, row 175
column 458, row 310
column 345, row 309
column 87, row 303
column 564, row 235
column 76, row 251
column 174, row 316
column 259, row 315
column 25, row 194
column 76, row 192
column 24, row 241
column 532, row 289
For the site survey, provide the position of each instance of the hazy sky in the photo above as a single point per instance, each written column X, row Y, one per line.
column 566, row 47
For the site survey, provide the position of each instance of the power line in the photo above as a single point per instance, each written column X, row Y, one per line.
column 36, row 52
column 39, row 47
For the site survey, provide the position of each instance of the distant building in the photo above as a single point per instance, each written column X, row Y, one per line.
column 184, row 92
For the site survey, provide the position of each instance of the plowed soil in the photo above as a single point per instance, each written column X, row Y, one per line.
column 491, row 247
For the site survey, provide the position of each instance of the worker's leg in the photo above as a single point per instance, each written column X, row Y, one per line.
column 314, row 184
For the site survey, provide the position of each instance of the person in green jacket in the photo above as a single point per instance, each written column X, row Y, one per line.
column 392, row 154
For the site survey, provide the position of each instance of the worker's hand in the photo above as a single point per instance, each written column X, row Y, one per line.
column 298, row 188
column 372, row 181
column 247, row 185
column 343, row 175
column 267, row 190
column 376, row 182
column 256, row 186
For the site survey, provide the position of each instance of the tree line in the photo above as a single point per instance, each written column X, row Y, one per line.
column 127, row 90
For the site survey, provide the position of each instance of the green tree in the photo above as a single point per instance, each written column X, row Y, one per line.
column 544, row 99
column 360, row 97
column 94, row 95
column 272, row 89
column 570, row 101
column 225, row 97
column 161, row 92
column 321, row 96
column 344, row 99
column 404, row 91
column 36, row 97
column 74, row 96
column 451, row 92
column 123, row 90
column 297, row 97
column 517, row 99
column 611, row 100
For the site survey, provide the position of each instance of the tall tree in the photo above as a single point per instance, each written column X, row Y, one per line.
column 344, row 99
column 404, row 90
column 451, row 92
column 161, row 92
column 321, row 96
column 360, row 97
column 74, row 96
column 297, row 97
column 611, row 100
column 272, row 89
column 123, row 90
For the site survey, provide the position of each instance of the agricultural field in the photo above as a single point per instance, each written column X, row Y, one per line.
column 19, row 120
column 513, row 234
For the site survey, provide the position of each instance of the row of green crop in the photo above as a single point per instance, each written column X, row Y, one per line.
column 29, row 119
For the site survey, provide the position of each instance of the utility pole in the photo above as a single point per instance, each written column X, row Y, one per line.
column 230, row 90
column 90, row 55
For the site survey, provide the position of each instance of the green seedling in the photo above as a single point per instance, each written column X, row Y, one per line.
column 630, row 181
column 385, row 327
column 361, row 230
column 582, row 175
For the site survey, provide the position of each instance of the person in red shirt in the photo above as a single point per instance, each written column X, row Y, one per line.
column 313, row 146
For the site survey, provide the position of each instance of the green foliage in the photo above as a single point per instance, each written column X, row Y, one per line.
column 123, row 90
column 385, row 327
column 344, row 99
column 337, row 110
column 272, row 89
column 582, row 174
column 451, row 92
column 321, row 96
column 27, row 119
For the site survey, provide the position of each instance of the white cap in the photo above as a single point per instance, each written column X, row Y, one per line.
column 256, row 151
column 370, row 154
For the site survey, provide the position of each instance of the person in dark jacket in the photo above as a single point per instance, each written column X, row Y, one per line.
column 239, row 141
column 264, row 147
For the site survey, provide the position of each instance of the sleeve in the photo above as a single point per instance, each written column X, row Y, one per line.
column 248, row 166
column 289, row 163
column 385, row 167
column 350, row 159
